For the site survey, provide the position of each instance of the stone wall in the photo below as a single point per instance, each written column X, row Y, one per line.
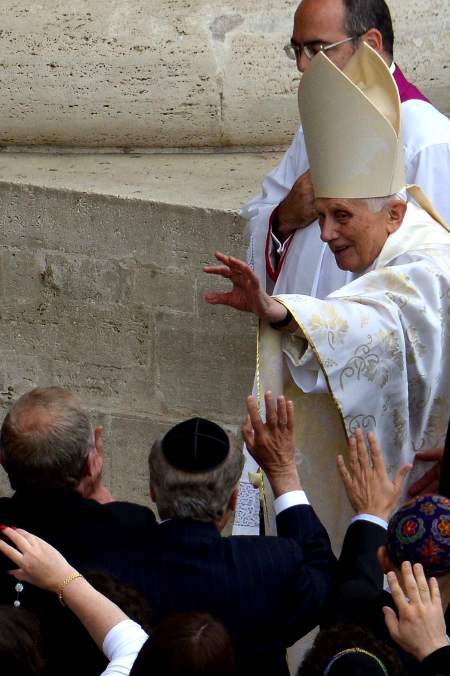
column 175, row 73
column 105, row 296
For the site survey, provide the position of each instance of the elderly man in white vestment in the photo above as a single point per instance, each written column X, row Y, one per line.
column 376, row 353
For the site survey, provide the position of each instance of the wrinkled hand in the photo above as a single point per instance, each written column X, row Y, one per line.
column 247, row 294
column 429, row 483
column 37, row 562
column 297, row 210
column 420, row 627
column 272, row 443
column 367, row 484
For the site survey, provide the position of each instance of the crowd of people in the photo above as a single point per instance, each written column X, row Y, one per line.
column 95, row 586
column 91, row 585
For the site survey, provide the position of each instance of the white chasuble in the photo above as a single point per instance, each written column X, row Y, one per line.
column 375, row 354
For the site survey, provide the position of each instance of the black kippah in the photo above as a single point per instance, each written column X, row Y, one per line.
column 195, row 445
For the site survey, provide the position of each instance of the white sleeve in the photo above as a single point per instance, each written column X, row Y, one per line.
column 277, row 184
column 302, row 363
column 289, row 499
column 121, row 646
column 275, row 187
column 372, row 519
column 430, row 169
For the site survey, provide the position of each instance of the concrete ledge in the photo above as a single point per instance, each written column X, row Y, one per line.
column 219, row 181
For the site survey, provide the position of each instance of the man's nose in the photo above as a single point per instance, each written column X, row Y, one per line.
column 328, row 231
column 302, row 61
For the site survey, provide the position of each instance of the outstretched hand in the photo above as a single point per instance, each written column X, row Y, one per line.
column 247, row 294
column 272, row 443
column 367, row 484
column 36, row 561
column 420, row 627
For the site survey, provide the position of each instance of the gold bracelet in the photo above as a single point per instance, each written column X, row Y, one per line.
column 64, row 583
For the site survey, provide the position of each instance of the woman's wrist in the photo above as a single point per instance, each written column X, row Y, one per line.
column 66, row 582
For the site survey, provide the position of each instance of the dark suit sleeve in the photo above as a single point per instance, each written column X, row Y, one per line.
column 438, row 663
column 359, row 578
column 444, row 483
column 309, row 582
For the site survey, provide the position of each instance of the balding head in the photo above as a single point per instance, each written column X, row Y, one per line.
column 325, row 22
column 45, row 440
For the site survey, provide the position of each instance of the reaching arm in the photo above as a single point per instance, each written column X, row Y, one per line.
column 373, row 496
column 272, row 443
column 42, row 565
column 420, row 627
column 367, row 484
column 247, row 295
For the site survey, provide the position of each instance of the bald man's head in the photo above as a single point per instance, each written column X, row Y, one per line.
column 45, row 439
column 326, row 22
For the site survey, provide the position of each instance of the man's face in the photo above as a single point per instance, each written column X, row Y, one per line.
column 321, row 22
column 354, row 234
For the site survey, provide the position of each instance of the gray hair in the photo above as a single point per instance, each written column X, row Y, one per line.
column 45, row 439
column 377, row 204
column 201, row 496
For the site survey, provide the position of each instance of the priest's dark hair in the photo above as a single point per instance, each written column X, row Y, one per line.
column 362, row 15
column 187, row 644
column 200, row 495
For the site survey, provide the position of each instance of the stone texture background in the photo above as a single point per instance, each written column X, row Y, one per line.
column 104, row 296
column 175, row 73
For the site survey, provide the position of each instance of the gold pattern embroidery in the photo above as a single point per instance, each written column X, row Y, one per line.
column 329, row 324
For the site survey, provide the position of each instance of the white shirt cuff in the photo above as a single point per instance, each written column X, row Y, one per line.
column 289, row 500
column 372, row 519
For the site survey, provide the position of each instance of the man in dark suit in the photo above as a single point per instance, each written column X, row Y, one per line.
column 54, row 459
column 268, row 591
column 370, row 550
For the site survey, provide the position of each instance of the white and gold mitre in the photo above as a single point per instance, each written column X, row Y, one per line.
column 352, row 125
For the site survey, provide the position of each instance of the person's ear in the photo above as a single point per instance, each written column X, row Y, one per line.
column 395, row 215
column 374, row 39
column 384, row 560
column 232, row 502
column 98, row 440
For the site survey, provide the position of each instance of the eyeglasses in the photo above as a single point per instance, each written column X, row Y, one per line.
column 295, row 51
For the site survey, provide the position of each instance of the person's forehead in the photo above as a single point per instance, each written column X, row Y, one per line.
column 315, row 19
column 340, row 203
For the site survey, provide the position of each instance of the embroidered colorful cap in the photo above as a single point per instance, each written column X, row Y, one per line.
column 195, row 445
column 420, row 532
column 355, row 661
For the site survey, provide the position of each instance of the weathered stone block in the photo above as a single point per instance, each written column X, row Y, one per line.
column 87, row 279
column 20, row 276
column 129, row 444
column 215, row 384
column 169, row 288
column 116, row 337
